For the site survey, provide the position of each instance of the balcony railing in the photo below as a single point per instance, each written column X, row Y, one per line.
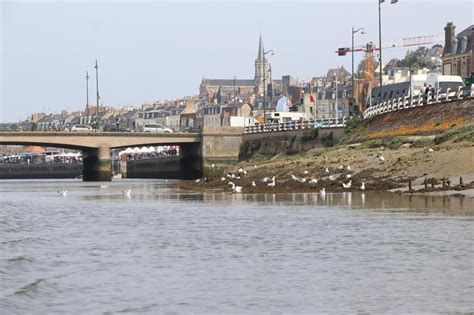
column 416, row 101
column 297, row 125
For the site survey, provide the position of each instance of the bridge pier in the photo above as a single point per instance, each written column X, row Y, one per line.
column 97, row 165
column 190, row 161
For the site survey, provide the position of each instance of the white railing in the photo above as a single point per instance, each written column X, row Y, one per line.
column 296, row 125
column 415, row 101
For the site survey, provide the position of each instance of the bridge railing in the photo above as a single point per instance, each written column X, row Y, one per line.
column 416, row 101
column 296, row 125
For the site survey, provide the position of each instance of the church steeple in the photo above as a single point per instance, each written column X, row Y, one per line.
column 261, row 64
column 260, row 56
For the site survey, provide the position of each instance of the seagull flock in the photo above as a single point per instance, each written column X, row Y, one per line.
column 231, row 177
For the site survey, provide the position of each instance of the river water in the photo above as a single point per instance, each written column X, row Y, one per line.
column 163, row 250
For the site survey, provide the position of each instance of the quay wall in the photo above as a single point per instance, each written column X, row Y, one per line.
column 288, row 142
column 43, row 170
column 163, row 167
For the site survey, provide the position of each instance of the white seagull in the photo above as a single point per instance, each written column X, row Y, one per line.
column 255, row 166
column 197, row 180
column 62, row 193
column 348, row 176
column 265, row 179
column 362, row 187
column 323, row 192
column 213, row 166
column 331, row 178
column 103, row 186
column 340, row 167
column 430, row 150
column 127, row 192
column 272, row 184
column 306, row 172
column 326, row 170
column 348, row 185
column 223, row 179
column 253, row 184
column 348, row 167
column 240, row 171
column 313, row 181
column 236, row 189
column 381, row 158
column 295, row 178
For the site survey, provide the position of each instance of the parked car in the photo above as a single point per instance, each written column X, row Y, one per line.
column 147, row 127
column 81, row 128
column 113, row 128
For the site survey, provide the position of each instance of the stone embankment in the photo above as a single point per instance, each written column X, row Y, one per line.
column 422, row 147
column 426, row 120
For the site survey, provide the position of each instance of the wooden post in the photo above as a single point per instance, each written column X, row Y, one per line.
column 426, row 184
column 409, row 186
column 444, row 183
column 432, row 183
column 460, row 182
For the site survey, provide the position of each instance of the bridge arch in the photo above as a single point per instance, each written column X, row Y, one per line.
column 96, row 147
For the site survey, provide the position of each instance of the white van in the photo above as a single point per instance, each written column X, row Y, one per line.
column 445, row 82
column 157, row 128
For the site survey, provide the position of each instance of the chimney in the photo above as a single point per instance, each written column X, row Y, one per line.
column 448, row 37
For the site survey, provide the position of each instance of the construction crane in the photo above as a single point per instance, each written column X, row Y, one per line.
column 405, row 42
column 362, row 89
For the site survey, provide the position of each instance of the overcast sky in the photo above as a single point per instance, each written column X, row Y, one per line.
column 155, row 50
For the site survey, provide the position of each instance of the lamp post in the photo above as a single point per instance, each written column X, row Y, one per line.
column 335, row 107
column 264, row 84
column 234, row 90
column 271, row 84
column 97, row 88
column 352, row 53
column 380, row 45
column 87, row 97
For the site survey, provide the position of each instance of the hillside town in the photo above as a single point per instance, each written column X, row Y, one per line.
column 237, row 102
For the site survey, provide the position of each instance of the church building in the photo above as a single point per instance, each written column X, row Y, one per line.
column 225, row 90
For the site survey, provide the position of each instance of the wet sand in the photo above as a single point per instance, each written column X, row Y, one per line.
column 448, row 161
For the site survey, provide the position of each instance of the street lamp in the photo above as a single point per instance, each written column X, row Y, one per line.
column 264, row 84
column 380, row 46
column 87, row 97
column 97, row 88
column 352, row 52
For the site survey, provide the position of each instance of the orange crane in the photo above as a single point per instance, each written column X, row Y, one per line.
column 405, row 42
column 361, row 91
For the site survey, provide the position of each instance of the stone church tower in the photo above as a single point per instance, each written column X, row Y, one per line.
column 261, row 66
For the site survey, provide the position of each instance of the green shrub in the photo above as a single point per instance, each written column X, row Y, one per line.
column 422, row 142
column 370, row 144
column 396, row 143
column 310, row 134
column 352, row 124
column 458, row 133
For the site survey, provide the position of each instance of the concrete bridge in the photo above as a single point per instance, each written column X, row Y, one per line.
column 212, row 144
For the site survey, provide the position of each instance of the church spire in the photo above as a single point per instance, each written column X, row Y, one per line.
column 261, row 64
column 261, row 51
